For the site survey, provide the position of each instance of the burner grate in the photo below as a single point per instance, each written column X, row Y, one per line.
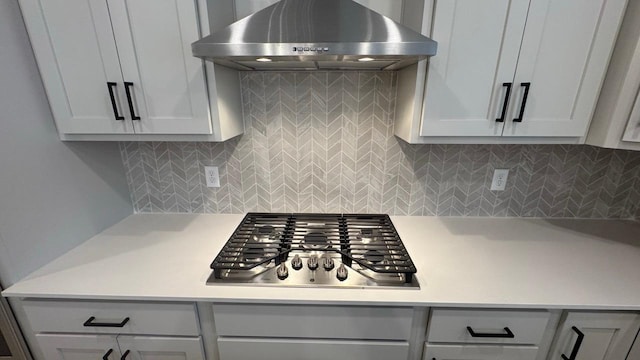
column 371, row 241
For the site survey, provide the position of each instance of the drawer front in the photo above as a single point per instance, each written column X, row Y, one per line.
column 281, row 349
column 333, row 322
column 487, row 326
column 144, row 318
column 479, row 352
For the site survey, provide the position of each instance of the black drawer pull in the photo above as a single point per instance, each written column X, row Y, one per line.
column 524, row 101
column 127, row 89
column 106, row 355
column 110, row 86
column 506, row 102
column 576, row 346
column 124, row 356
column 90, row 322
column 507, row 334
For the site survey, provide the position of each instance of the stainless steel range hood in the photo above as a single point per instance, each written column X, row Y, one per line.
column 315, row 35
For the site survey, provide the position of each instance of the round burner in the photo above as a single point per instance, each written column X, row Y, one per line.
column 366, row 232
column 373, row 256
column 253, row 254
column 265, row 233
column 265, row 230
column 315, row 240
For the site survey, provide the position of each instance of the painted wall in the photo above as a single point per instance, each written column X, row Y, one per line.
column 323, row 142
column 53, row 195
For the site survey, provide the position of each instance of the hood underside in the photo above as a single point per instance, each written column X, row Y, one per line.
column 315, row 35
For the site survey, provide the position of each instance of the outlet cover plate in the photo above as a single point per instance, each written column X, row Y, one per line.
column 213, row 176
column 499, row 182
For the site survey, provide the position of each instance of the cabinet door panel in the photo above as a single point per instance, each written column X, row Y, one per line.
column 479, row 352
column 76, row 52
column 607, row 336
column 478, row 44
column 161, row 348
column 634, row 354
column 154, row 44
column 291, row 349
column 565, row 51
column 632, row 132
column 77, row 347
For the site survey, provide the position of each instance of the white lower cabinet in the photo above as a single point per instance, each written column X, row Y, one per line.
column 83, row 347
column 488, row 334
column 479, row 352
column 595, row 336
column 78, row 347
column 114, row 330
column 313, row 332
column 307, row 349
column 158, row 347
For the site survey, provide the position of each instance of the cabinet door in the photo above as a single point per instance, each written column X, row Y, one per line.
column 160, row 348
column 478, row 44
column 632, row 132
column 168, row 91
column 479, row 352
column 76, row 53
column 78, row 347
column 291, row 349
column 564, row 56
column 634, row 354
column 607, row 336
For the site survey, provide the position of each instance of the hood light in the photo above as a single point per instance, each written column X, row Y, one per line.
column 263, row 59
column 365, row 59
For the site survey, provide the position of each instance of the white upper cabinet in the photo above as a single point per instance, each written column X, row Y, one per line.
column 478, row 44
column 616, row 121
column 509, row 71
column 165, row 82
column 632, row 131
column 123, row 70
column 564, row 55
column 79, row 64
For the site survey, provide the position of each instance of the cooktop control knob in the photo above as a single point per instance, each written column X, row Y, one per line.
column 312, row 263
column 341, row 273
column 327, row 263
column 282, row 272
column 296, row 262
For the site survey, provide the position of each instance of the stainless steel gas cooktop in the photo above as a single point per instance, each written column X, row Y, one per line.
column 315, row 250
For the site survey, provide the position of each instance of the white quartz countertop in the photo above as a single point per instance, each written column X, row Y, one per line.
column 477, row 262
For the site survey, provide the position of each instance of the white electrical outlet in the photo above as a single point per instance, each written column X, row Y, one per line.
column 499, row 182
column 212, row 175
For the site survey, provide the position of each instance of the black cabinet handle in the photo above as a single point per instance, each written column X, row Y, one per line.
column 124, row 356
column 127, row 86
column 524, row 101
column 507, row 334
column 90, row 323
column 106, row 355
column 110, row 86
column 506, row 101
column 576, row 346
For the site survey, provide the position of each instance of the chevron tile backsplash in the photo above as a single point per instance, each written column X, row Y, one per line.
column 323, row 142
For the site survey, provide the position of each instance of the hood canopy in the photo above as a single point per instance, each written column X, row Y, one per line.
column 315, row 35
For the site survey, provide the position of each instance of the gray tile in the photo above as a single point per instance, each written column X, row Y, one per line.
column 323, row 141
